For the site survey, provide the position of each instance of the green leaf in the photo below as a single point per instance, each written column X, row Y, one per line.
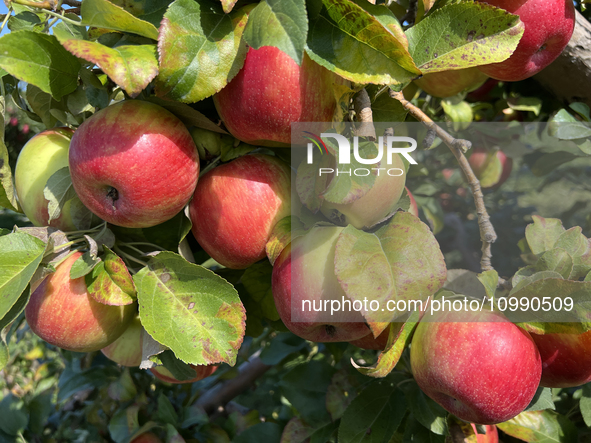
column 279, row 23
column 40, row 60
column 21, row 254
column 191, row 310
column 414, row 432
column 42, row 103
column 463, row 35
column 189, row 116
column 15, row 416
column 542, row 400
column 179, row 370
column 344, row 387
column 124, row 423
column 131, row 67
column 58, row 190
column 104, row 14
column 585, row 404
column 527, row 104
column 296, row 431
column 346, row 39
column 7, row 192
column 425, row 410
column 123, row 389
column 166, row 412
column 387, row 109
column 540, row 426
column 267, row 432
column 557, row 260
column 25, row 20
column 582, row 109
column 201, row 50
column 148, row 10
column 84, row 265
column 67, row 31
column 458, row 111
column 543, row 233
column 374, row 415
column 110, row 282
column 257, row 281
column 281, row 346
column 566, row 127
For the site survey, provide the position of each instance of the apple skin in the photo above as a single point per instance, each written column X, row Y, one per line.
column 40, row 158
column 485, row 370
column 305, row 271
column 236, row 206
column 203, row 371
column 146, row 437
column 127, row 349
column 480, row 162
column 134, row 164
column 374, row 206
column 449, row 83
column 271, row 91
column 63, row 314
column 566, row 359
column 373, row 343
column 548, row 24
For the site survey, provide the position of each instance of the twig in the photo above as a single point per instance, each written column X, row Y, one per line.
column 72, row 3
column 411, row 13
column 6, row 17
column 222, row 393
column 458, row 147
column 364, row 113
column 46, row 4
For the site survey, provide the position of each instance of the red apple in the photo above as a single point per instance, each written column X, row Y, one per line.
column 64, row 314
column 303, row 278
column 134, row 164
column 566, row 359
column 271, row 91
column 414, row 208
column 370, row 342
column 146, row 437
column 483, row 369
column 491, row 169
column 548, row 24
column 236, row 206
column 449, row 83
column 127, row 349
column 202, row 371
column 40, row 158
column 491, row 436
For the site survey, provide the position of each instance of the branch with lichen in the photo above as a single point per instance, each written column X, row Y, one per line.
column 459, row 147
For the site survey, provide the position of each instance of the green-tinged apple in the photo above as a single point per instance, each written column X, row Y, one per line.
column 40, row 158
column 134, row 164
column 146, row 437
column 375, row 343
column 566, row 359
column 127, row 349
column 492, row 169
column 202, row 371
column 64, row 314
column 236, row 206
column 449, row 83
column 376, row 204
column 548, row 25
column 304, row 284
column 414, row 208
column 482, row 368
column 271, row 91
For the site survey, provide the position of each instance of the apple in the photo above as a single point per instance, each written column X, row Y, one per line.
column 146, row 437
column 40, row 158
column 64, row 314
column 203, row 371
column 236, row 206
column 303, row 278
column 127, row 349
column 548, row 24
column 491, row 169
column 484, row 369
column 271, row 91
column 376, row 204
column 414, row 208
column 370, row 342
column 449, row 83
column 566, row 359
column 491, row 436
column 134, row 164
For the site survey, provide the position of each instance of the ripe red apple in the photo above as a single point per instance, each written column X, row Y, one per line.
column 146, row 437
column 484, row 369
column 449, row 83
column 134, row 164
column 236, row 206
column 548, row 24
column 566, row 359
column 375, row 205
column 40, row 158
column 127, row 349
column 414, row 208
column 303, row 278
column 271, row 91
column 491, row 169
column 375, row 343
column 63, row 314
column 203, row 371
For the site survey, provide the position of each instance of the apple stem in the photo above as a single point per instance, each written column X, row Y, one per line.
column 458, row 147
column 129, row 258
column 139, row 251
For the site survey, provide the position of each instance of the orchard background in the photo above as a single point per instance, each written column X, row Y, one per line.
column 63, row 61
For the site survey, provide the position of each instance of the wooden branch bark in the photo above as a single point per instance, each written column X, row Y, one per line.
column 569, row 76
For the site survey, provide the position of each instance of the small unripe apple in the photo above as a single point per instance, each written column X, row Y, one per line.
column 64, row 314
column 202, row 371
column 40, row 158
column 492, row 169
column 449, row 83
column 127, row 349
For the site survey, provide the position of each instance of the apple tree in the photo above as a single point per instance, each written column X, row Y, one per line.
column 162, row 231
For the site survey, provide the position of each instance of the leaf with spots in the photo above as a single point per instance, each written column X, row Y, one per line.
column 110, row 282
column 201, row 49
column 463, row 35
column 7, row 192
column 150, row 11
column 107, row 15
column 131, row 67
column 348, row 40
column 399, row 263
column 540, row 426
column 191, row 310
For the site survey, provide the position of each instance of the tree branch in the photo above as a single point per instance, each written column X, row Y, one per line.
column 458, row 147
column 364, row 114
